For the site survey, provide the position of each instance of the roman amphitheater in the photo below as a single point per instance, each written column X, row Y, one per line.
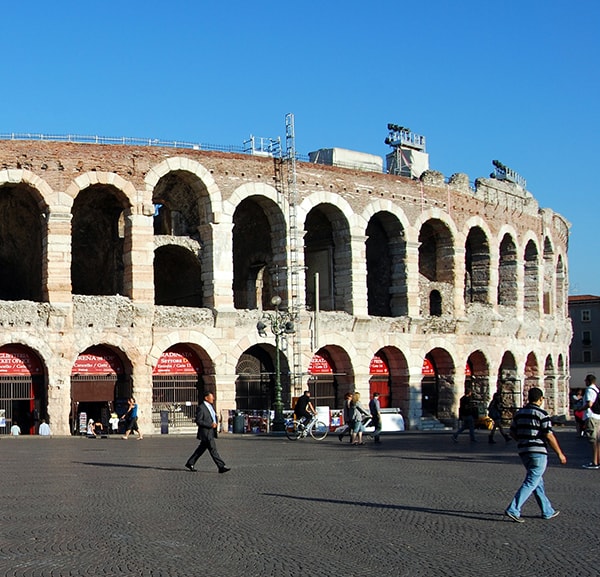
column 151, row 270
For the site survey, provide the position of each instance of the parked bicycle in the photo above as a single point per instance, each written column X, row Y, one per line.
column 298, row 430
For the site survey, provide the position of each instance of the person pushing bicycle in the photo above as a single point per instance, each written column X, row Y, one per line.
column 304, row 408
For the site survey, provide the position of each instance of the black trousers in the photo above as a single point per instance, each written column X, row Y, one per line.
column 210, row 446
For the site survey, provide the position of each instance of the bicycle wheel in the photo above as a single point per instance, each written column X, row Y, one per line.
column 319, row 431
column 293, row 430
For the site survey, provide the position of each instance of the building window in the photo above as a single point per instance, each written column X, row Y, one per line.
column 586, row 315
column 587, row 356
column 586, row 338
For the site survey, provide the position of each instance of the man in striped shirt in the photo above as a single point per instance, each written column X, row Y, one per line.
column 532, row 429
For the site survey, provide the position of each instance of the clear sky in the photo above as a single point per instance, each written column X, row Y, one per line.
column 513, row 80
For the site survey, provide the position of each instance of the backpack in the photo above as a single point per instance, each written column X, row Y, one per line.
column 596, row 404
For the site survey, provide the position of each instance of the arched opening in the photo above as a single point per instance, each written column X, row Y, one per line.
column 532, row 375
column 435, row 303
column 561, row 281
column 23, row 390
column 437, row 386
column 99, row 229
column 326, row 252
column 477, row 267
column 477, row 379
column 507, row 273
column 100, row 386
column 531, row 278
column 177, row 277
column 255, row 385
column 259, row 260
column 177, row 384
column 436, row 263
column 22, row 234
column 509, row 384
column 386, row 266
column 548, row 279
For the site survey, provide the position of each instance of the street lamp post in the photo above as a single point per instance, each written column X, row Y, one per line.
column 281, row 324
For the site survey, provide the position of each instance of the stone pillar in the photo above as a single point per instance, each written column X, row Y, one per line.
column 358, row 296
column 139, row 259
column 220, row 243
column 412, row 279
column 56, row 273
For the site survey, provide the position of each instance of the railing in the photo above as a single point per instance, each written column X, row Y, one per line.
column 123, row 140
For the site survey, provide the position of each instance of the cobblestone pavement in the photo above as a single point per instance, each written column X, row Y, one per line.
column 417, row 505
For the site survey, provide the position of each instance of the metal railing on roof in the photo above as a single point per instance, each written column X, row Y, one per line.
column 123, row 140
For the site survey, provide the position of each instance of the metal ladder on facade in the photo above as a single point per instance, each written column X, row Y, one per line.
column 294, row 269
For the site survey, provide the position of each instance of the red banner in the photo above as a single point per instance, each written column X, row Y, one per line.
column 378, row 366
column 427, row 370
column 178, row 360
column 19, row 361
column 97, row 361
column 319, row 366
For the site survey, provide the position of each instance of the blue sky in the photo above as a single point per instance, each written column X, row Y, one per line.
column 513, row 80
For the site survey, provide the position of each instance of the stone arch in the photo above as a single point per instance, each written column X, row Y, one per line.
column 101, row 241
column 47, row 199
column 186, row 165
column 386, row 266
column 438, row 388
column 23, row 243
column 477, row 266
column 437, row 263
column 550, row 385
column 561, row 285
column 508, row 274
column 259, row 255
column 124, row 190
column 531, row 374
column 203, row 345
column 548, row 278
column 531, row 277
column 327, row 251
column 478, row 379
column 509, row 383
column 395, row 384
column 23, row 388
column 330, row 386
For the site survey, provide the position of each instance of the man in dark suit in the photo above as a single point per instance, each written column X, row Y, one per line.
column 207, row 422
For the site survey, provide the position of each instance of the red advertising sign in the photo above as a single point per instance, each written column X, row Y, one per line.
column 378, row 366
column 97, row 361
column 319, row 366
column 178, row 360
column 19, row 361
column 428, row 370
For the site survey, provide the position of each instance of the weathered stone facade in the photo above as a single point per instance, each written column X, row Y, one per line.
column 139, row 249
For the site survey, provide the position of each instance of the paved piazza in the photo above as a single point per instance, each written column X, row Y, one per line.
column 418, row 505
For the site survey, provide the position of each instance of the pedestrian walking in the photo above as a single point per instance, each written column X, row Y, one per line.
column 532, row 429
column 206, row 419
column 467, row 413
column 495, row 410
column 131, row 420
column 375, row 410
column 347, row 414
column 357, row 411
column 591, row 404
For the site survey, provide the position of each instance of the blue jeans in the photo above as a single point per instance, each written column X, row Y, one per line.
column 467, row 423
column 535, row 463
